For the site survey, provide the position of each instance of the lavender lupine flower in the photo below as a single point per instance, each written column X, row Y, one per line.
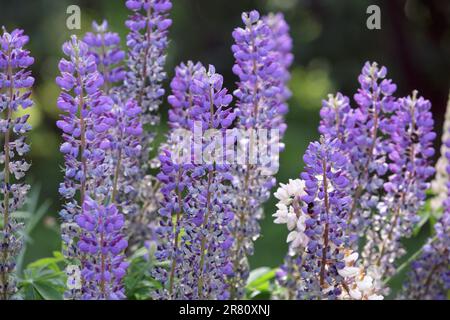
column 194, row 234
column 102, row 242
column 429, row 278
column 125, row 136
column 15, row 90
column 368, row 142
column 147, row 43
column 86, row 146
column 261, row 65
column 410, row 153
column 439, row 184
column 315, row 210
column 105, row 46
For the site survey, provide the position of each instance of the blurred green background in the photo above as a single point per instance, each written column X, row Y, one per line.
column 331, row 45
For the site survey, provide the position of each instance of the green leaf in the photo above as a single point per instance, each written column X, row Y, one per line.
column 48, row 291
column 259, row 282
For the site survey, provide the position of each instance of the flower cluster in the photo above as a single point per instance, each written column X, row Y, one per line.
column 125, row 136
column 105, row 47
column 429, row 277
column 317, row 208
column 15, row 91
column 410, row 151
column 147, row 43
column 262, row 53
column 102, row 243
column 194, row 234
column 87, row 147
column 389, row 142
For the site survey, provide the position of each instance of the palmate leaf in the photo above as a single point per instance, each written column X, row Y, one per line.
column 259, row 283
column 44, row 279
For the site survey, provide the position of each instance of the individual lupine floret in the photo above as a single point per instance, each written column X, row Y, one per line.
column 316, row 214
column 105, row 46
column 86, row 145
column 102, row 242
column 261, row 65
column 410, row 151
column 195, row 214
column 147, row 43
column 15, row 91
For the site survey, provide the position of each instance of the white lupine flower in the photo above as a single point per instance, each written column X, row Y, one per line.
column 73, row 277
column 285, row 215
column 355, row 294
column 283, row 195
column 375, row 297
column 366, row 284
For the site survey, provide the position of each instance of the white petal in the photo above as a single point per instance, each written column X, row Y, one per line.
column 355, row 294
column 348, row 272
column 375, row 297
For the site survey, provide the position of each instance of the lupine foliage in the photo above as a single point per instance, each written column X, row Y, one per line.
column 187, row 232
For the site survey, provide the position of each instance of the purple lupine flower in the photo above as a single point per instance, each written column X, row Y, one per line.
column 338, row 120
column 367, row 142
column 105, row 46
column 429, row 277
column 125, row 136
column 86, row 143
column 196, row 194
column 315, row 209
column 410, row 151
column 262, row 59
column 103, row 244
column 147, row 44
column 15, row 91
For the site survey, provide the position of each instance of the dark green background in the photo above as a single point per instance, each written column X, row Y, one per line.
column 331, row 45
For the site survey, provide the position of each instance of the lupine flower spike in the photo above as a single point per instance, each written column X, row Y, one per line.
column 315, row 208
column 86, row 150
column 262, row 56
column 410, row 151
column 147, row 43
column 194, row 234
column 15, row 91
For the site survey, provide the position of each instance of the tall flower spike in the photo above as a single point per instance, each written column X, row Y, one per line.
column 102, row 242
column 429, row 277
column 368, row 142
column 439, row 184
column 410, row 153
column 86, row 145
column 315, row 210
column 125, row 136
column 15, row 90
column 195, row 214
column 262, row 67
column 147, row 44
